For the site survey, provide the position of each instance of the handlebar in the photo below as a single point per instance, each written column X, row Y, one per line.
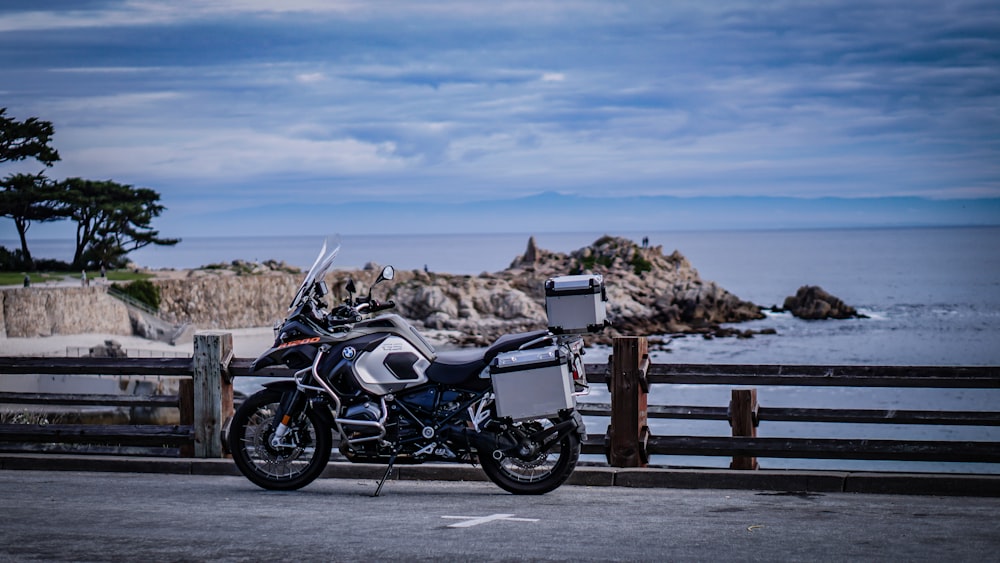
column 345, row 314
column 375, row 306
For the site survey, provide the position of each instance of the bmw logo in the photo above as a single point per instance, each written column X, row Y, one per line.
column 349, row 353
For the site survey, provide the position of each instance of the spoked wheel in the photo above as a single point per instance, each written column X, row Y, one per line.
column 541, row 470
column 284, row 467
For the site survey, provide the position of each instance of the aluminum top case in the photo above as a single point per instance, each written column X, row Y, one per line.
column 576, row 304
column 531, row 384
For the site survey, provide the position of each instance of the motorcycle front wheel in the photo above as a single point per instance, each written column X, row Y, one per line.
column 282, row 468
column 538, row 473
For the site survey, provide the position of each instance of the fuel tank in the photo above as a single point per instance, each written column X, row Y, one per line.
column 393, row 365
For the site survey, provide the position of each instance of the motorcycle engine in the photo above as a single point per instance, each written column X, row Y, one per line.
column 368, row 411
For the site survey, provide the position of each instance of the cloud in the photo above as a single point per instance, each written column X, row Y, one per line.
column 173, row 156
column 462, row 101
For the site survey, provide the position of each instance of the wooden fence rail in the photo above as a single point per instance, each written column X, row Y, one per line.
column 630, row 374
column 205, row 403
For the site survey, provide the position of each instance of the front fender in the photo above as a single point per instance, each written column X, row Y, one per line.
column 296, row 355
column 282, row 385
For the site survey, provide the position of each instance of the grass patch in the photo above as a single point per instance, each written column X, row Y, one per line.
column 29, row 417
column 124, row 275
column 17, row 278
column 640, row 264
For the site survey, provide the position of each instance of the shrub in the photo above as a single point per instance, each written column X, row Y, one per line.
column 10, row 260
column 640, row 264
column 143, row 291
column 13, row 261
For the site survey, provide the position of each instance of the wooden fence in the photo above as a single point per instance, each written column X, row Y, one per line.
column 205, row 402
column 629, row 443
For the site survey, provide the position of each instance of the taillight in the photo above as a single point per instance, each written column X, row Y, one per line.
column 580, row 385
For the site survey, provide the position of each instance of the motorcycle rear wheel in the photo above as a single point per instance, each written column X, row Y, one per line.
column 540, row 474
column 283, row 468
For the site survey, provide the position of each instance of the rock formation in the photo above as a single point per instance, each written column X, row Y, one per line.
column 813, row 303
column 110, row 349
column 649, row 293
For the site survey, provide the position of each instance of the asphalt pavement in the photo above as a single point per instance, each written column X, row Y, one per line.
column 102, row 516
column 585, row 474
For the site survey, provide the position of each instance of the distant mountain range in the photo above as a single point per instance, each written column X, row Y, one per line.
column 553, row 212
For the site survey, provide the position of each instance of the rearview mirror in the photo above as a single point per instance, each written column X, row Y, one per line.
column 387, row 273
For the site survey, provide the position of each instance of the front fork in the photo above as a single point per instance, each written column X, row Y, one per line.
column 290, row 409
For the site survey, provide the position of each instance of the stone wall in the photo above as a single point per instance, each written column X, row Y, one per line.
column 38, row 311
column 227, row 301
column 206, row 302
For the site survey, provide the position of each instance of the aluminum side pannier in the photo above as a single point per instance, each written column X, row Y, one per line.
column 530, row 384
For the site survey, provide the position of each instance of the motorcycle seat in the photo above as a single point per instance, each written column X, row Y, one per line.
column 511, row 342
column 456, row 366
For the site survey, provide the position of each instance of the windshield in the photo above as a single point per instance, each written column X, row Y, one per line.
column 318, row 271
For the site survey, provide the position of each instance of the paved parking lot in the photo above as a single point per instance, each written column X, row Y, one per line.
column 94, row 516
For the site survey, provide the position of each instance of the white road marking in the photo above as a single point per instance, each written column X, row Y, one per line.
column 477, row 520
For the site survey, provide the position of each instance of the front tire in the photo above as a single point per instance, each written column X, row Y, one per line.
column 282, row 468
column 538, row 474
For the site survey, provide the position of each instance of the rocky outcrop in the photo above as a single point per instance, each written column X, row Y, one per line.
column 110, row 349
column 648, row 293
column 813, row 303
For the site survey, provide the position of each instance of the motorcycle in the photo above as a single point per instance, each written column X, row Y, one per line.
column 377, row 384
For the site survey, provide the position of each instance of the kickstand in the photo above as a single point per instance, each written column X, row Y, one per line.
column 392, row 459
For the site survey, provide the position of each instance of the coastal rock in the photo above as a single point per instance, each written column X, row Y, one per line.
column 814, row 303
column 477, row 308
column 110, row 349
column 648, row 293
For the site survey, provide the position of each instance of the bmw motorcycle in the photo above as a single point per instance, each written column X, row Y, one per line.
column 376, row 385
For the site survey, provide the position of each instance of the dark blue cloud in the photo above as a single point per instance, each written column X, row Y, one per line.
column 14, row 7
column 460, row 101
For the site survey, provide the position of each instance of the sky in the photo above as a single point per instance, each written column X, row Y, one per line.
column 257, row 117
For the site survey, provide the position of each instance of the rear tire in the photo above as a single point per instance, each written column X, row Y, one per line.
column 283, row 468
column 540, row 474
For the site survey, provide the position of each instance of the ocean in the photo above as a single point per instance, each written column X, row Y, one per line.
column 931, row 295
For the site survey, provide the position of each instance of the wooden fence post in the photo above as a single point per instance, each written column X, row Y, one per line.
column 185, row 400
column 213, row 391
column 743, row 418
column 628, row 432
